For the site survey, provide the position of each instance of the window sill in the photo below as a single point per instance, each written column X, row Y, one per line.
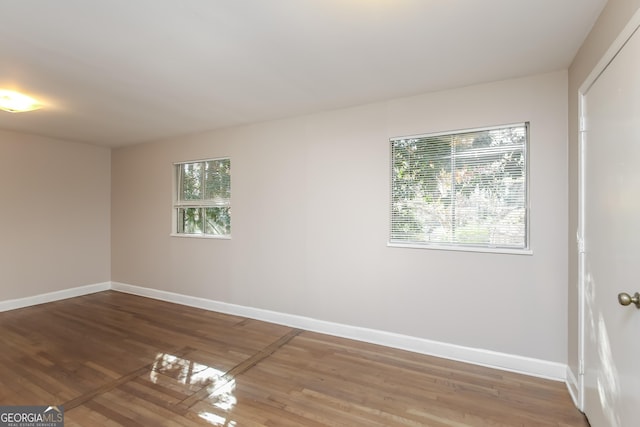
column 200, row 236
column 505, row 251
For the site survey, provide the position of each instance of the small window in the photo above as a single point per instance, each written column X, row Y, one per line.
column 463, row 190
column 202, row 203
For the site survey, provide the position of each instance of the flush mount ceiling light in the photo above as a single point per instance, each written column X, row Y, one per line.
column 15, row 102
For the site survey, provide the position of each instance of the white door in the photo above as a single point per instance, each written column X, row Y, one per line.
column 610, row 216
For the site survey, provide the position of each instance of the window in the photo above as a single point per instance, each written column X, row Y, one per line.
column 202, row 203
column 465, row 190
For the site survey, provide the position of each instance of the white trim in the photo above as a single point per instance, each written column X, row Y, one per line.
column 574, row 387
column 489, row 250
column 13, row 304
column 580, row 236
column 184, row 162
column 503, row 361
column 202, row 236
column 611, row 53
column 583, row 129
column 449, row 132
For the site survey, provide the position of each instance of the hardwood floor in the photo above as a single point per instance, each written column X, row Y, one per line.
column 115, row 359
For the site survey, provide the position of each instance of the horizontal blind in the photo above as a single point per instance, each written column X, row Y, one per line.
column 467, row 188
column 203, row 199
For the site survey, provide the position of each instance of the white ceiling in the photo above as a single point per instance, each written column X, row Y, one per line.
column 117, row 72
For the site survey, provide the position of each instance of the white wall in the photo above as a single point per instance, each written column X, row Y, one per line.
column 55, row 215
column 310, row 221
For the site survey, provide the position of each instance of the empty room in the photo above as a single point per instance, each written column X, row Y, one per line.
column 319, row 212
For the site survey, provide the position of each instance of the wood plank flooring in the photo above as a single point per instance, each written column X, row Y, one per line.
column 113, row 359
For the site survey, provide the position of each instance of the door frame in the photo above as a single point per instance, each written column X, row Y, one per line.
column 576, row 385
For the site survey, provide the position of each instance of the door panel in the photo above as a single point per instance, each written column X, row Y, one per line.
column 612, row 241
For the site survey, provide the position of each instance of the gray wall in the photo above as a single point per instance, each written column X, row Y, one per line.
column 310, row 218
column 55, row 215
column 310, row 199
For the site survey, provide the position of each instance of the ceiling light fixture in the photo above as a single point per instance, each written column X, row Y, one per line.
column 15, row 102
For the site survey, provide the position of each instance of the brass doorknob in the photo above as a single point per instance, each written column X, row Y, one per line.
column 626, row 299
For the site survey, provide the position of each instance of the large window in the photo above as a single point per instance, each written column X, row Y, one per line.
column 202, row 203
column 464, row 190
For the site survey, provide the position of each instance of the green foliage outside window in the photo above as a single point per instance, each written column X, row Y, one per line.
column 461, row 189
column 204, row 197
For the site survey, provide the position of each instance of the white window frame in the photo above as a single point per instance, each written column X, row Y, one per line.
column 202, row 203
column 525, row 250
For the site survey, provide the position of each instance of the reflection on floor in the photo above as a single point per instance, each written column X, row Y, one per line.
column 116, row 359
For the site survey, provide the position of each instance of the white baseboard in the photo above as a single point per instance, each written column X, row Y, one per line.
column 13, row 304
column 503, row 361
column 574, row 388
